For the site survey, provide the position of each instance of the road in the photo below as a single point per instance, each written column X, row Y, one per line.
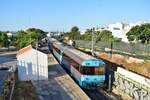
column 8, row 59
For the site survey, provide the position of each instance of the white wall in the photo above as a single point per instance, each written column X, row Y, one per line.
column 27, row 65
column 133, row 76
column 119, row 30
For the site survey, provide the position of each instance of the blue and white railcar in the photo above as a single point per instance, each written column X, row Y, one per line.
column 88, row 71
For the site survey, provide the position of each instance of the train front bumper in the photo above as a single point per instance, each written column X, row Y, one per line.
column 92, row 85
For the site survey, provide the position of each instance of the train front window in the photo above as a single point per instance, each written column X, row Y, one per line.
column 92, row 70
column 99, row 70
column 88, row 70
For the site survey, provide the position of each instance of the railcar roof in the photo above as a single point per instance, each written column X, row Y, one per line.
column 77, row 55
column 84, row 56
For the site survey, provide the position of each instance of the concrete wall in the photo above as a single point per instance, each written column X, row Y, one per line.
column 136, row 86
column 27, row 66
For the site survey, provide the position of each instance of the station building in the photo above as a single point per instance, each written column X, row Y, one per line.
column 32, row 64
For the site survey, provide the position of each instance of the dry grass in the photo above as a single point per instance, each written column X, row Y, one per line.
column 142, row 68
column 139, row 67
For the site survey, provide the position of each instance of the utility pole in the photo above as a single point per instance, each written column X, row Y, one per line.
column 37, row 61
column 93, row 41
column 111, row 46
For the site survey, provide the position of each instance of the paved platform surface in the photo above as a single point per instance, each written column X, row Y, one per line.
column 60, row 86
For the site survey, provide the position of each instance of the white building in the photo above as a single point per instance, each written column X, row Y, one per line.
column 120, row 29
column 49, row 34
column 32, row 64
column 9, row 34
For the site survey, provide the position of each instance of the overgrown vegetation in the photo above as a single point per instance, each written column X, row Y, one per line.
column 6, row 90
column 24, row 91
column 7, row 86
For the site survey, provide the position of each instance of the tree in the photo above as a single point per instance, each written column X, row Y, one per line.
column 87, row 35
column 105, row 36
column 73, row 34
column 30, row 36
column 36, row 33
column 75, row 29
column 3, row 39
column 133, row 34
column 139, row 33
column 21, row 39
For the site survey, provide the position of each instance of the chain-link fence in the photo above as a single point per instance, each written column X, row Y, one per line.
column 136, row 50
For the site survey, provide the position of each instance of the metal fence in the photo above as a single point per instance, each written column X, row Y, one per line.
column 137, row 50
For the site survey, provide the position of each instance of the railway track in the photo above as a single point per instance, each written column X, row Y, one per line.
column 98, row 95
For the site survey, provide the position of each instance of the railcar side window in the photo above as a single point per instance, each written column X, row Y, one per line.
column 57, row 50
column 71, row 62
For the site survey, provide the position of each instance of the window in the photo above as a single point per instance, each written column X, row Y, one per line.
column 71, row 62
column 86, row 70
column 99, row 70
column 115, row 28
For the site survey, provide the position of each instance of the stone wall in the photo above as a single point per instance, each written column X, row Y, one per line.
column 136, row 90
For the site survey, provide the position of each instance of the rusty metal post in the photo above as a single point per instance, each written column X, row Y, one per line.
column 109, row 83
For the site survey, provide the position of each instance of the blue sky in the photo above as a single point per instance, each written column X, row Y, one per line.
column 53, row 15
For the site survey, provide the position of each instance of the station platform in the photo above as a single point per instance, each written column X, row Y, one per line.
column 59, row 86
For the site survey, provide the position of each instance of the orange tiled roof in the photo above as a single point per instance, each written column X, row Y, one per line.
column 23, row 50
